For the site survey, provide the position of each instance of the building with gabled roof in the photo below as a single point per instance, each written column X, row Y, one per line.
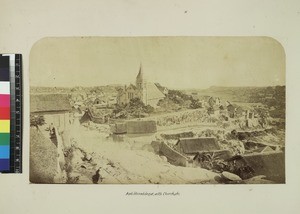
column 49, row 103
column 55, row 108
column 173, row 156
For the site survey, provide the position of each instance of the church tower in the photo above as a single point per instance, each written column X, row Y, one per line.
column 140, row 79
column 141, row 86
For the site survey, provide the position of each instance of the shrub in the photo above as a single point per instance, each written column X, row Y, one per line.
column 213, row 162
column 36, row 120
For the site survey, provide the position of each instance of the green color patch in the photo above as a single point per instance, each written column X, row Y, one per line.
column 4, row 138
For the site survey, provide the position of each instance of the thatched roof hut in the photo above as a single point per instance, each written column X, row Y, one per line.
column 173, row 156
column 192, row 146
column 49, row 103
column 271, row 164
column 141, row 127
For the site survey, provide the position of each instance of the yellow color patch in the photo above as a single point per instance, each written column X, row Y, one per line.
column 4, row 126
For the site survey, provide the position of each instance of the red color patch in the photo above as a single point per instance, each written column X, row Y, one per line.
column 4, row 113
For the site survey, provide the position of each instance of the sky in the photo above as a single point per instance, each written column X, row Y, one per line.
column 174, row 62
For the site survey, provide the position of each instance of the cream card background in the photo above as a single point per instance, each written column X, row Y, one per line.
column 22, row 23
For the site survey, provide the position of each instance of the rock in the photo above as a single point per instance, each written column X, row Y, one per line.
column 111, row 163
column 88, row 157
column 230, row 176
column 156, row 146
column 164, row 158
column 73, row 178
column 148, row 148
column 218, row 179
column 77, row 156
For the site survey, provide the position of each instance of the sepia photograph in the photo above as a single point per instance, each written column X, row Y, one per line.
column 157, row 110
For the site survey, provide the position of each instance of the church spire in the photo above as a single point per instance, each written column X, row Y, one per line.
column 140, row 78
column 140, row 74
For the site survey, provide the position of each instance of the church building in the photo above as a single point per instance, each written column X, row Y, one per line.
column 149, row 93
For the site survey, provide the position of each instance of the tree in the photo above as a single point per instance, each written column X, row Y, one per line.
column 135, row 108
column 119, row 111
column 37, row 120
column 183, row 100
column 177, row 96
column 195, row 104
column 138, row 108
column 118, row 108
column 136, row 103
column 148, row 109
column 168, row 104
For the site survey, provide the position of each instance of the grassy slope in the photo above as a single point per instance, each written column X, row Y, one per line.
column 43, row 158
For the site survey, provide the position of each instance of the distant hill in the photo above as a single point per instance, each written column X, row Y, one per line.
column 242, row 94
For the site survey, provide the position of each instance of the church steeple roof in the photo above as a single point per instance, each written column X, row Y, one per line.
column 140, row 74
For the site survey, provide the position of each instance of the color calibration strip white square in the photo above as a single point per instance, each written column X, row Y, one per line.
column 4, row 87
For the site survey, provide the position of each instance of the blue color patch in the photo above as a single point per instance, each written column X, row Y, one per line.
column 4, row 152
column 4, row 165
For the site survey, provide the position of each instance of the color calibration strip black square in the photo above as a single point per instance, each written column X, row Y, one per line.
column 4, row 68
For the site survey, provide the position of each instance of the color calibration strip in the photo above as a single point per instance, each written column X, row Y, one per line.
column 10, row 113
column 4, row 114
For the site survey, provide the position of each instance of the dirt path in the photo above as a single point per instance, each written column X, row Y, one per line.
column 120, row 162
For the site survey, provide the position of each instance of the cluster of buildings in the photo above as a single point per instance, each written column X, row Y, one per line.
column 258, row 159
column 59, row 109
column 93, row 106
column 93, row 99
column 245, row 114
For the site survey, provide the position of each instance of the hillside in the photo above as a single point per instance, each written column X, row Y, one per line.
column 43, row 162
column 273, row 97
